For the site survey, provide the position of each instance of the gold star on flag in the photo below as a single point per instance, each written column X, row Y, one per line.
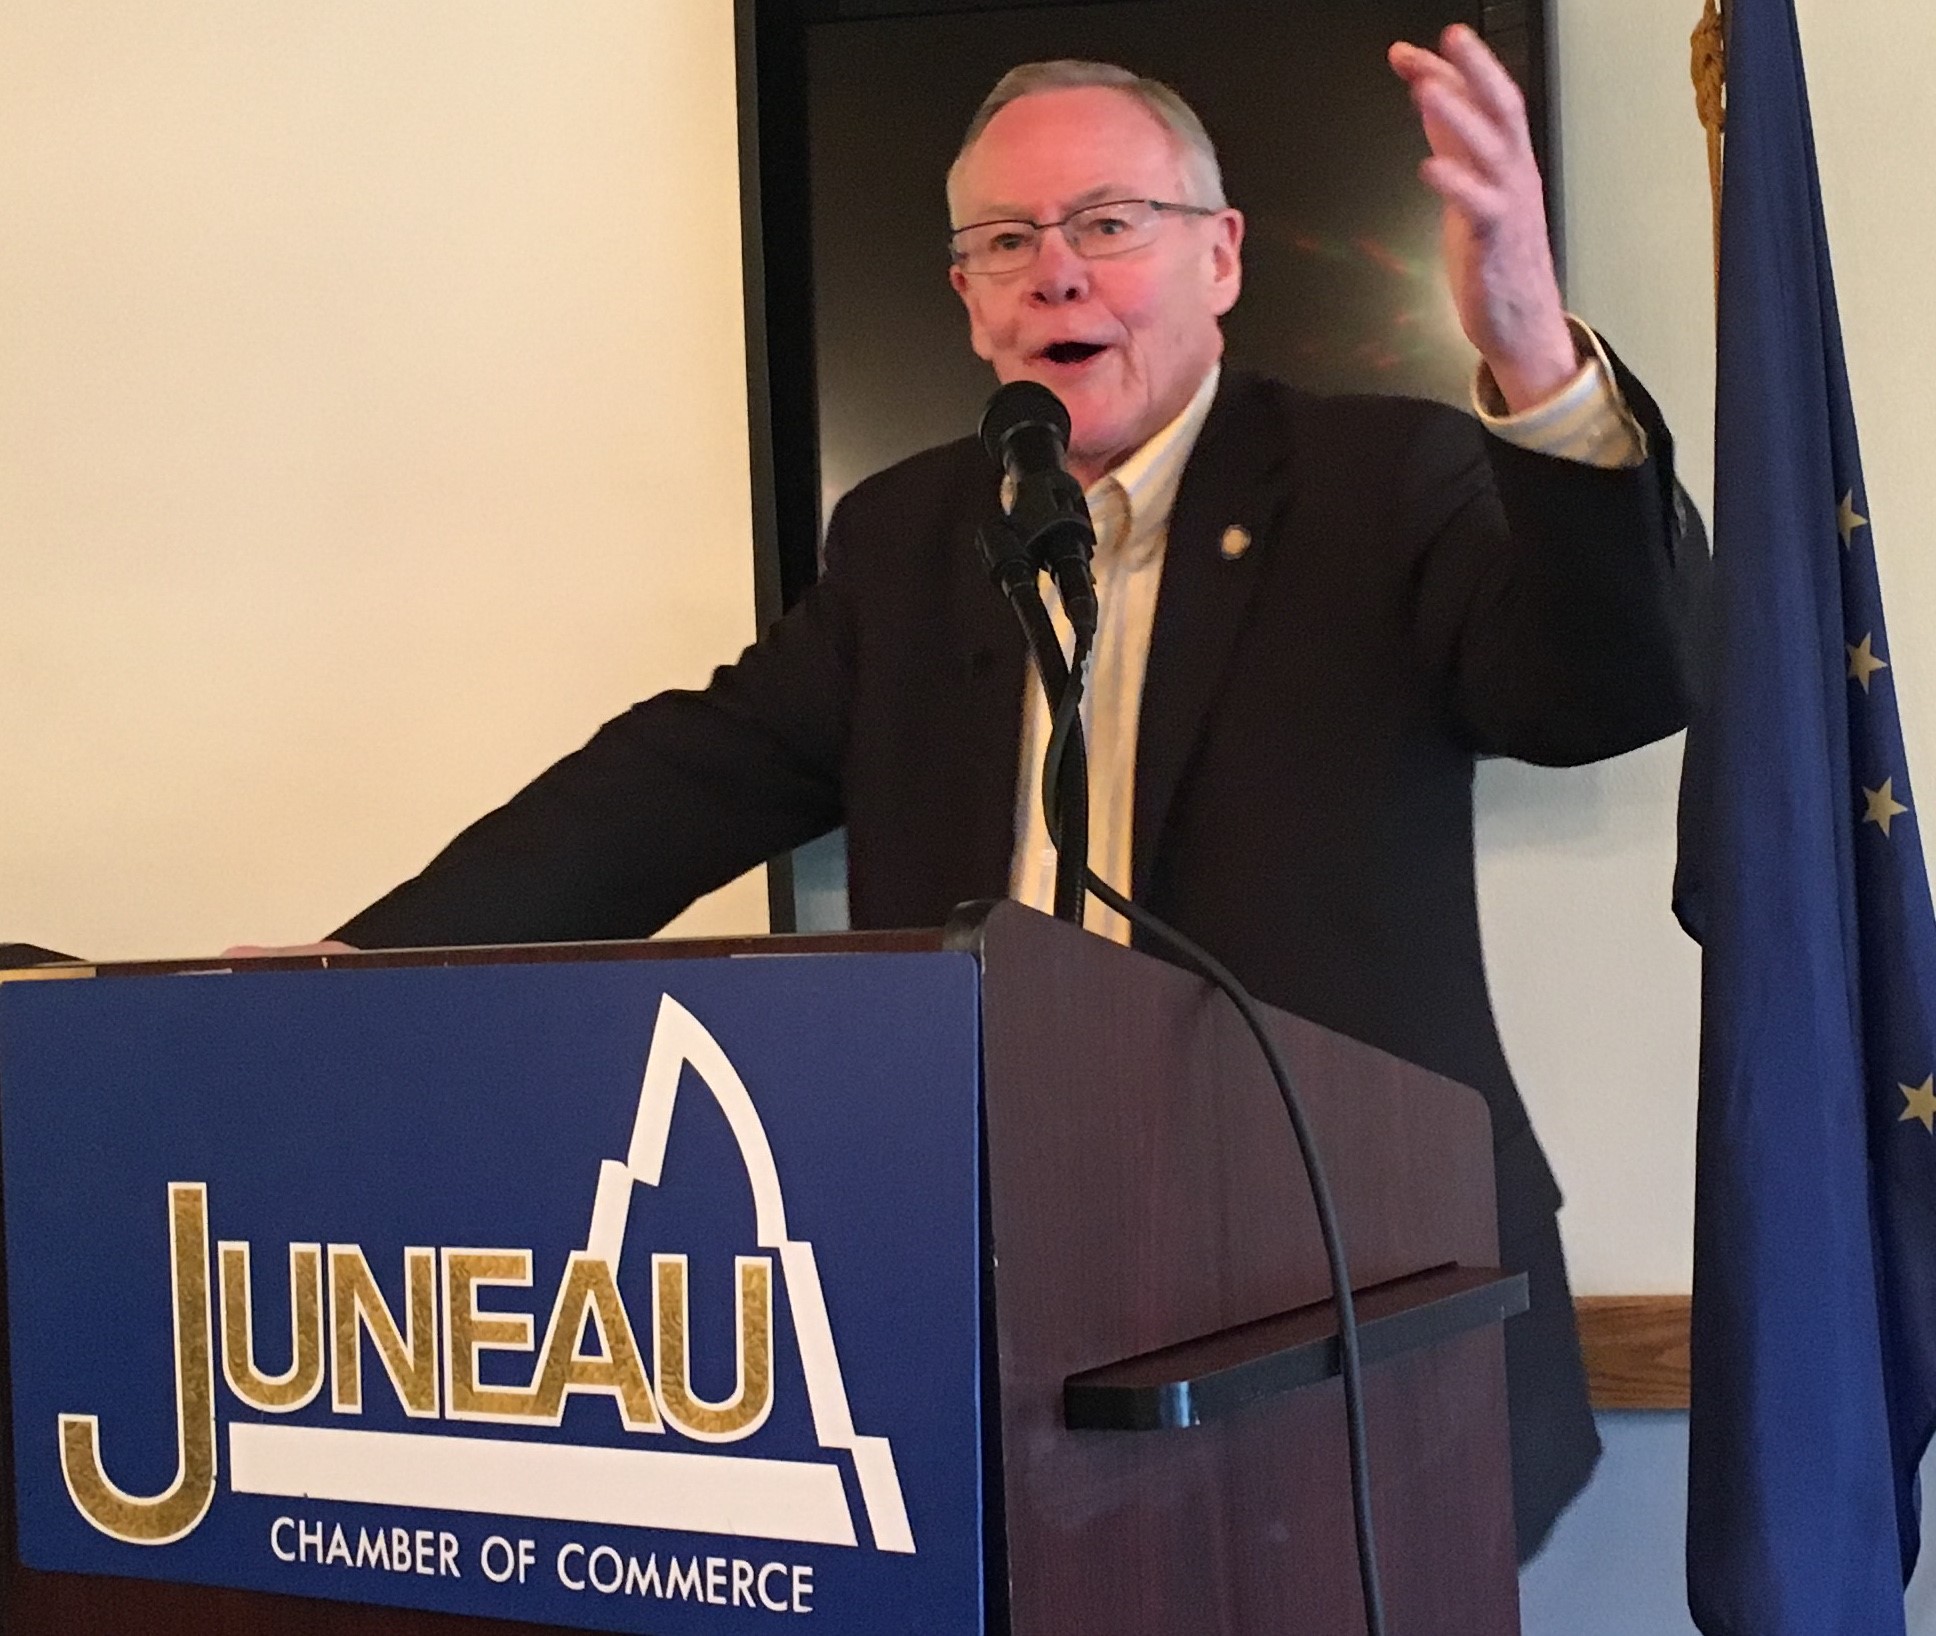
column 1922, row 1103
column 1848, row 519
column 1863, row 663
column 1883, row 805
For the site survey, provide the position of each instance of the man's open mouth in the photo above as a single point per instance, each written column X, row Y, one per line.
column 1072, row 352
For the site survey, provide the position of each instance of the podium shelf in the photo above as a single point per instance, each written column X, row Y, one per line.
column 1216, row 1375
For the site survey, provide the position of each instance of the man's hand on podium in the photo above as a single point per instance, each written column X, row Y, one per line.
column 263, row 951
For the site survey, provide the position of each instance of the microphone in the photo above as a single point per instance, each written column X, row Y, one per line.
column 1025, row 430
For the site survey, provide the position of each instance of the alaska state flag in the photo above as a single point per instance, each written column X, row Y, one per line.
column 1801, row 873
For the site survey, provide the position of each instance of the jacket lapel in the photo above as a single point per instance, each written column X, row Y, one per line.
column 1238, row 478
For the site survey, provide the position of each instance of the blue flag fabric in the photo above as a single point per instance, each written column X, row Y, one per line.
column 1801, row 873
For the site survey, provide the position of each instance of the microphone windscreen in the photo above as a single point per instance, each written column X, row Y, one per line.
column 1019, row 404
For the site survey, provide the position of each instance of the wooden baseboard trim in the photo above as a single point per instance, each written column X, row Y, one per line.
column 1636, row 1350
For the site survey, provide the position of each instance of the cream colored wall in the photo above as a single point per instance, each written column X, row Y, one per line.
column 1597, row 990
column 372, row 425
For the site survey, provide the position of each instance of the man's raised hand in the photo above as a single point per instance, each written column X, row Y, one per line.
column 1498, row 255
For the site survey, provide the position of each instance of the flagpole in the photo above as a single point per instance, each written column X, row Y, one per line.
column 1710, row 70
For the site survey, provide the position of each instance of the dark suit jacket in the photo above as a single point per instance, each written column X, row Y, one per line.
column 1417, row 595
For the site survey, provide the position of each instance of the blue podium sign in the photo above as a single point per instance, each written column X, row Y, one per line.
column 634, row 1296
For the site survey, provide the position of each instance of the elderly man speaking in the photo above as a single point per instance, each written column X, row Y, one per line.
column 1317, row 614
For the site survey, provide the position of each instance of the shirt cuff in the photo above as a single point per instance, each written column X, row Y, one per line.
column 1586, row 420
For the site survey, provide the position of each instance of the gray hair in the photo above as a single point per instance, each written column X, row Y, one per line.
column 1203, row 177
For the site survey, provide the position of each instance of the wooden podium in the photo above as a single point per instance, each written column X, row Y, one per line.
column 1164, row 1438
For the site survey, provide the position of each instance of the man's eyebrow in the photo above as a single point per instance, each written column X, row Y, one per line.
column 1108, row 192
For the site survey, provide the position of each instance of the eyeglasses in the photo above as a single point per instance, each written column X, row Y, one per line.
column 1112, row 228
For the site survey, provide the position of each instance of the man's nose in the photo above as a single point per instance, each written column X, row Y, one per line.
column 1059, row 274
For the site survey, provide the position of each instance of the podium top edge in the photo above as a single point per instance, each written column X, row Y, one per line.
column 685, row 948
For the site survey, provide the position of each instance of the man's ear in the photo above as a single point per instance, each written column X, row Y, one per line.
column 967, row 290
column 1226, row 260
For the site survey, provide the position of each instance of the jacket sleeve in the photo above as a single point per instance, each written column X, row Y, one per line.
column 677, row 796
column 1556, row 599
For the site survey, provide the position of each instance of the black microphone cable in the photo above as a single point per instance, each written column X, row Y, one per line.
column 1064, row 773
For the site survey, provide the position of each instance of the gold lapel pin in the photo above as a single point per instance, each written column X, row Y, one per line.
column 1235, row 542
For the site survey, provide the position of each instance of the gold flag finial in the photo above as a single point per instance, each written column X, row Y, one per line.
column 1710, row 70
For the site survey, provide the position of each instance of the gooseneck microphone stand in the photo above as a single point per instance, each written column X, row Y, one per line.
column 1015, row 552
column 1065, row 765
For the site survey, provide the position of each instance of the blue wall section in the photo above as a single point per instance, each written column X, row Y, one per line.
column 820, row 884
column 1615, row 1565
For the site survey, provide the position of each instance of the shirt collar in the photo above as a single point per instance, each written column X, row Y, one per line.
column 1132, row 504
